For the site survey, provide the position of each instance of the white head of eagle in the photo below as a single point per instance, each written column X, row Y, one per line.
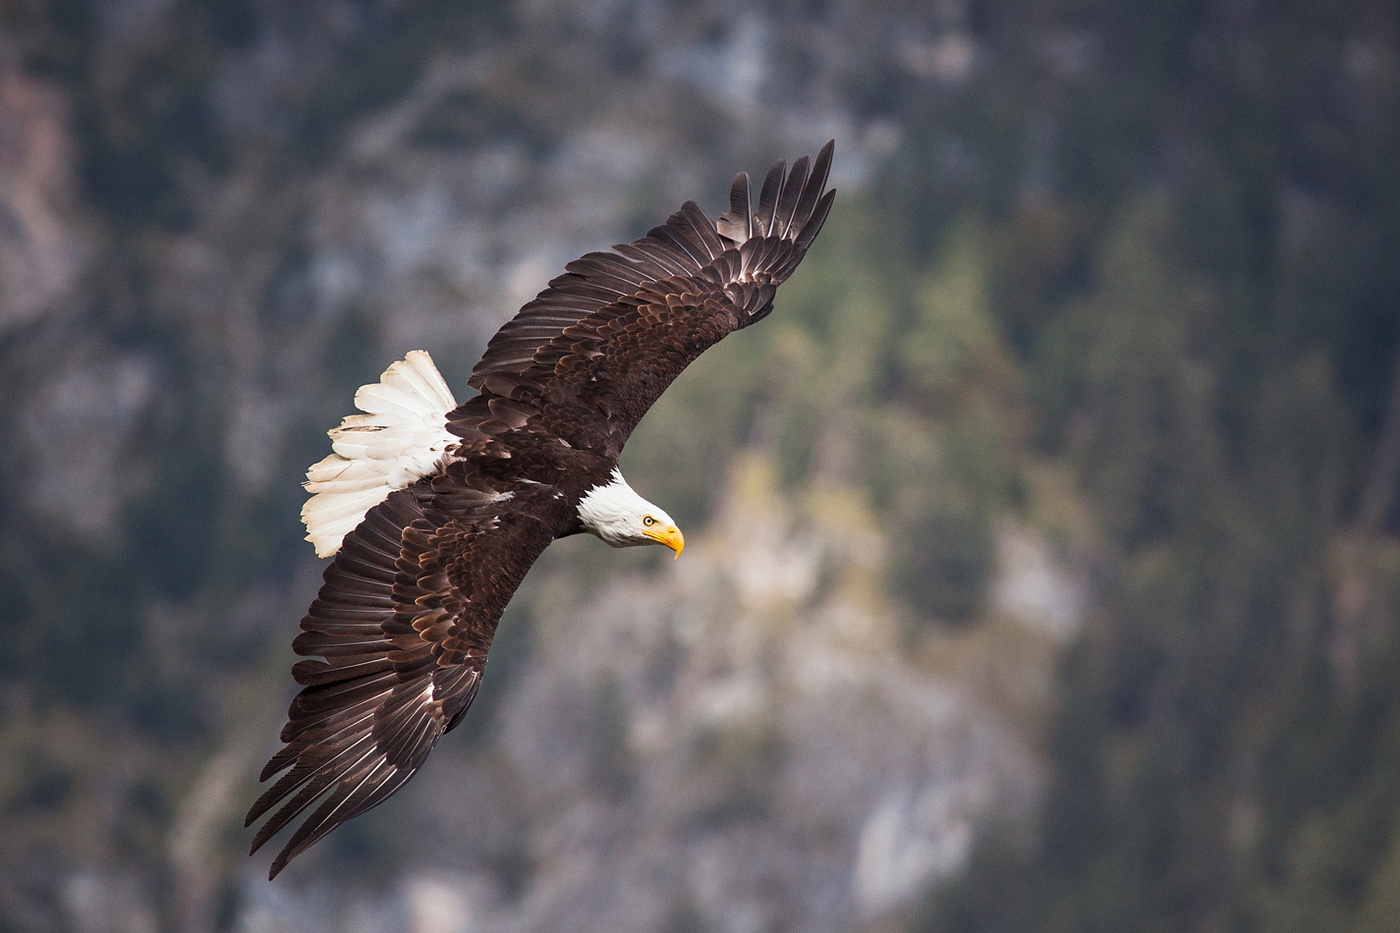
column 615, row 513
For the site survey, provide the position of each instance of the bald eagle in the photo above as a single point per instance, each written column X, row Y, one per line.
column 435, row 510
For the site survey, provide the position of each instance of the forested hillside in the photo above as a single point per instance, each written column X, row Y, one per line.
column 1043, row 559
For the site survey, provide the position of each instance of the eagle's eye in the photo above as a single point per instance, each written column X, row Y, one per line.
column 648, row 521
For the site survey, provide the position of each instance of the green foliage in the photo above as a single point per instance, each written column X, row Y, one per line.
column 1224, row 756
column 961, row 388
column 946, row 565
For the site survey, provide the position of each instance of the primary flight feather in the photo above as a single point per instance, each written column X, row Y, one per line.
column 434, row 511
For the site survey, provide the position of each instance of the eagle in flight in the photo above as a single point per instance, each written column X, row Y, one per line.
column 435, row 510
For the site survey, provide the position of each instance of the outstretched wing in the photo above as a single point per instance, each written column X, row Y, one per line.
column 607, row 338
column 403, row 622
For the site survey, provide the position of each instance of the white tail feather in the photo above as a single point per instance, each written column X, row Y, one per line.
column 401, row 437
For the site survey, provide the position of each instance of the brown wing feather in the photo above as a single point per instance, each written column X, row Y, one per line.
column 613, row 332
column 687, row 246
column 402, row 625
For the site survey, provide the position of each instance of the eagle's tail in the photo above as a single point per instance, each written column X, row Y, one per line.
column 401, row 437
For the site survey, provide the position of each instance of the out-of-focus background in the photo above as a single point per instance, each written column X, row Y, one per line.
column 1044, row 554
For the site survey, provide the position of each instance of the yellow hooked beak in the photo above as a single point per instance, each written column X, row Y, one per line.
column 670, row 536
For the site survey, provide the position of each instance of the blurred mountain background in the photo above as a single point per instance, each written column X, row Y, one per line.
column 1044, row 557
